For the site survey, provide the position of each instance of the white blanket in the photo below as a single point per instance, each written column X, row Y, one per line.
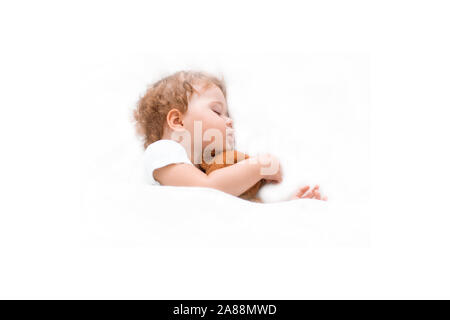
column 131, row 215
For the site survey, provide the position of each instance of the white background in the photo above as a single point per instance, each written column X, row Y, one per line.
column 43, row 47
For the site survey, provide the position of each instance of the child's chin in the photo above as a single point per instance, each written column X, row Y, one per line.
column 229, row 148
column 229, row 145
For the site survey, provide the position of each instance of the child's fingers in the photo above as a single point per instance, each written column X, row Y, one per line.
column 314, row 193
column 302, row 191
column 309, row 195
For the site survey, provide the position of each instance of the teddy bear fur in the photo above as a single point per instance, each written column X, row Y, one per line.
column 228, row 158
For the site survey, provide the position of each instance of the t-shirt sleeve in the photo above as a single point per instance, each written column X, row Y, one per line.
column 162, row 153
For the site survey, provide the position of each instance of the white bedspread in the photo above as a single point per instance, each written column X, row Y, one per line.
column 125, row 215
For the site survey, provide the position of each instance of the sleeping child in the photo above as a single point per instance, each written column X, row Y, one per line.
column 184, row 123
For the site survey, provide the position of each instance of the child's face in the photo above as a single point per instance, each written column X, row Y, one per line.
column 211, row 109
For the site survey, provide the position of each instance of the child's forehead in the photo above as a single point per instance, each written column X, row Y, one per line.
column 212, row 95
column 211, row 92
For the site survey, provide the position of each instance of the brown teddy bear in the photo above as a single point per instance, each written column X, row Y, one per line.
column 229, row 158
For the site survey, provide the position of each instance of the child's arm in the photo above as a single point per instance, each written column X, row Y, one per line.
column 234, row 179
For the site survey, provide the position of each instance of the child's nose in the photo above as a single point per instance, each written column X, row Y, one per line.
column 229, row 123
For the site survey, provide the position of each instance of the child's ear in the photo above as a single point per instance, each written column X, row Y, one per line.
column 175, row 119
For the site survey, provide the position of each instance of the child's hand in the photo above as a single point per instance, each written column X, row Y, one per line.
column 313, row 194
column 270, row 168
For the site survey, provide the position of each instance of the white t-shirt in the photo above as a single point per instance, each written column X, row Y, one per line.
column 162, row 153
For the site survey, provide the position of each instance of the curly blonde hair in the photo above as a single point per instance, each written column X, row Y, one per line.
column 171, row 92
